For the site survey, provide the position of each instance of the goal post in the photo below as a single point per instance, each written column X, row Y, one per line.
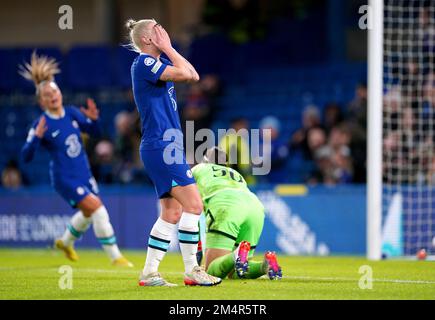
column 374, row 129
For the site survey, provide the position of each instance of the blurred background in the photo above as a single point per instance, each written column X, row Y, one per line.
column 297, row 67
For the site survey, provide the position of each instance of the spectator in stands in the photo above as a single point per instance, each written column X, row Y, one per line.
column 124, row 137
column 310, row 119
column 332, row 116
column 197, row 109
column 316, row 139
column 126, row 142
column 278, row 150
column 356, row 121
column 201, row 101
column 11, row 176
column 392, row 104
column 427, row 114
column 390, row 147
column 333, row 160
column 402, row 148
column 426, row 35
column 104, row 161
column 323, row 170
column 426, row 120
column 211, row 86
column 431, row 172
column 410, row 153
column 357, row 108
column 339, row 141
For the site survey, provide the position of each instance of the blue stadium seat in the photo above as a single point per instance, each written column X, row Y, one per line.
column 206, row 55
column 122, row 60
column 89, row 68
column 9, row 71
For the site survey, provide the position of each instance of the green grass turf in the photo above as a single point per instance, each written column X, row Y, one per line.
column 33, row 274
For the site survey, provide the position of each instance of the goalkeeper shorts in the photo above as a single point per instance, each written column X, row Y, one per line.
column 232, row 217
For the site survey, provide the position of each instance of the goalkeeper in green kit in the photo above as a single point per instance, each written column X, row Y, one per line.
column 234, row 221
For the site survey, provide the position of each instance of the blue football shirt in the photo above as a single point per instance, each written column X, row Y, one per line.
column 63, row 142
column 156, row 102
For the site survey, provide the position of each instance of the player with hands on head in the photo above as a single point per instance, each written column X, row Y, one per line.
column 153, row 80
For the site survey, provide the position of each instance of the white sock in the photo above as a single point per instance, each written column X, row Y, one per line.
column 77, row 226
column 158, row 245
column 104, row 232
column 188, row 236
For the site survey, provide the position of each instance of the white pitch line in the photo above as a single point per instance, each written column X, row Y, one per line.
column 119, row 271
column 353, row 279
column 285, row 277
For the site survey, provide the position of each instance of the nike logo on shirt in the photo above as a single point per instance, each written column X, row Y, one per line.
column 55, row 133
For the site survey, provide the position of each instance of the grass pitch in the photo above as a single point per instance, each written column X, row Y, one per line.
column 34, row 274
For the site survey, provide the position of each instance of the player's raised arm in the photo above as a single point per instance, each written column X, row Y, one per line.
column 182, row 70
column 88, row 118
column 34, row 137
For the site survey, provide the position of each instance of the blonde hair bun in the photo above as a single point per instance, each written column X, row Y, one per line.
column 130, row 24
column 137, row 29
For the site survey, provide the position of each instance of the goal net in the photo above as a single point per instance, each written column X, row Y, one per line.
column 408, row 128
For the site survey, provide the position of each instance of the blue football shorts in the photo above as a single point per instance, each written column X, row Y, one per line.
column 165, row 175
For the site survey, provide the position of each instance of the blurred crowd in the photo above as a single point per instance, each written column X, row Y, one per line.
column 409, row 134
column 409, row 103
column 330, row 142
column 331, row 145
column 334, row 143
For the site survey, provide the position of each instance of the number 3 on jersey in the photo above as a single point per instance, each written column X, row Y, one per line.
column 74, row 146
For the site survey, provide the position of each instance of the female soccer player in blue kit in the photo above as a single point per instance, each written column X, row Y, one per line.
column 58, row 131
column 153, row 80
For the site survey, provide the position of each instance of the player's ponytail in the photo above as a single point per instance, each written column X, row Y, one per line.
column 40, row 70
column 136, row 30
column 130, row 24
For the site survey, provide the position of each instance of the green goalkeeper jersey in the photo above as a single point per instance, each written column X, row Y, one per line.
column 212, row 178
